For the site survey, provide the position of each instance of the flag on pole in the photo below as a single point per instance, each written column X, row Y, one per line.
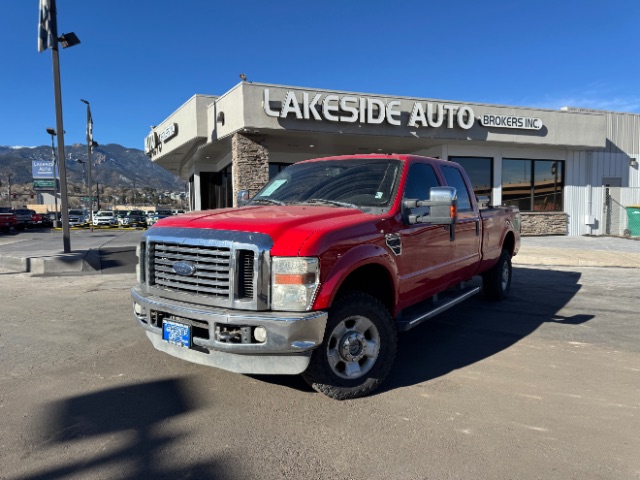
column 45, row 25
column 90, row 129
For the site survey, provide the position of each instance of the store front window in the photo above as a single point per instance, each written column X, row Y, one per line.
column 480, row 171
column 275, row 168
column 533, row 185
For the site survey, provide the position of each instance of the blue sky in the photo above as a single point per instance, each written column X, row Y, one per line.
column 139, row 60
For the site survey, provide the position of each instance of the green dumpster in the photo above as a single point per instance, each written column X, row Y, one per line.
column 633, row 212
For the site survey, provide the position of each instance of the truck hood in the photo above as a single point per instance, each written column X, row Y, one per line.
column 288, row 226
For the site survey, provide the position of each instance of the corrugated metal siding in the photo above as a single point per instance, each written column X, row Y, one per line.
column 623, row 129
column 585, row 172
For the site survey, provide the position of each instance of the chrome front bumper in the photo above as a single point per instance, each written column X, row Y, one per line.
column 291, row 336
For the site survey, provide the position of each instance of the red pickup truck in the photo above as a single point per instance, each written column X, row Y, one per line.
column 317, row 273
column 8, row 221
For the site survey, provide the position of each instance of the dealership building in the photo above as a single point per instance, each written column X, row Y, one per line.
column 571, row 171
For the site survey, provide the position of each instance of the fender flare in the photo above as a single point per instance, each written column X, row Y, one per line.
column 349, row 262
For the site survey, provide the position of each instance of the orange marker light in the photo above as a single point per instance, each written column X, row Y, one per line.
column 294, row 278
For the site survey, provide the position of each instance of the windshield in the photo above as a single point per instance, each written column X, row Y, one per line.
column 104, row 213
column 368, row 184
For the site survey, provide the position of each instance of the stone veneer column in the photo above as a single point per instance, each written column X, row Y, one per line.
column 250, row 163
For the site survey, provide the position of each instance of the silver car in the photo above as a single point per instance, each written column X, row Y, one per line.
column 78, row 217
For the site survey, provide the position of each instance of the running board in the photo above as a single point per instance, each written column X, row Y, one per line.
column 430, row 308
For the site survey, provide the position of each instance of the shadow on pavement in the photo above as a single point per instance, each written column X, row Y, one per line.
column 478, row 329
column 118, row 259
column 136, row 412
column 475, row 330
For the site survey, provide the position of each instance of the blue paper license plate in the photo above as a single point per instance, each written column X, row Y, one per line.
column 176, row 333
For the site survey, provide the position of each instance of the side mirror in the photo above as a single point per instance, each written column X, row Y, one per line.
column 242, row 198
column 443, row 207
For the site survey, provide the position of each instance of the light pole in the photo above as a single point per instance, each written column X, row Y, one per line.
column 48, row 38
column 52, row 132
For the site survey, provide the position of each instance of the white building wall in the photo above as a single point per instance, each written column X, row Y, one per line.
column 588, row 171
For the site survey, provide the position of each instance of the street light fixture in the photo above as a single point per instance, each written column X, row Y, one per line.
column 68, row 40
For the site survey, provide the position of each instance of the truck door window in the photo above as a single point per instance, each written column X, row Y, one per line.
column 420, row 179
column 454, row 179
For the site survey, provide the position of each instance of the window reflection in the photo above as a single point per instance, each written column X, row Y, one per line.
column 479, row 170
column 533, row 185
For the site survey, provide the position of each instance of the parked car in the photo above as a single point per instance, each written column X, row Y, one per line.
column 133, row 218
column 7, row 221
column 153, row 217
column 105, row 218
column 78, row 217
column 47, row 219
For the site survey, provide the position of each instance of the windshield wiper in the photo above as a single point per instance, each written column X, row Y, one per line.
column 267, row 200
column 333, row 202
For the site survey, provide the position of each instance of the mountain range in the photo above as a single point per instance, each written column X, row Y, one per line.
column 113, row 165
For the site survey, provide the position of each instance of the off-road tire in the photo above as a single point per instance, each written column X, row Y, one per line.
column 496, row 283
column 356, row 320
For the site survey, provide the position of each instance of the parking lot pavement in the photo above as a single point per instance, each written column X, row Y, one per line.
column 543, row 385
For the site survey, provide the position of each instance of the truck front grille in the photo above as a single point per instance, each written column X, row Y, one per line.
column 212, row 269
column 218, row 268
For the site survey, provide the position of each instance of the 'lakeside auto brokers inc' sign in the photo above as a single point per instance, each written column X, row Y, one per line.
column 372, row 111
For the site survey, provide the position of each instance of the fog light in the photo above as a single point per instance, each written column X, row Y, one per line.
column 260, row 334
column 137, row 308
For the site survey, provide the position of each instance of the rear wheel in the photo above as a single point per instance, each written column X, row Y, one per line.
column 358, row 349
column 496, row 282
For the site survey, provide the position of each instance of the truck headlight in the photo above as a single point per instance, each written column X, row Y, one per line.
column 294, row 282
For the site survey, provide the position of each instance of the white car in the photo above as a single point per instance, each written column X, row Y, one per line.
column 105, row 217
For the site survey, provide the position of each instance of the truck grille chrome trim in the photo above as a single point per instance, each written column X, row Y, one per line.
column 208, row 267
column 211, row 275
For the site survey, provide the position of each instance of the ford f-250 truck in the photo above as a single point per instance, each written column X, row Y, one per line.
column 317, row 273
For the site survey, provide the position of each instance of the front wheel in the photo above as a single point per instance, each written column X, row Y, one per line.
column 496, row 282
column 358, row 349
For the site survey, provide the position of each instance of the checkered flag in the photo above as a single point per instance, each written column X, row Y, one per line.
column 90, row 129
column 46, row 24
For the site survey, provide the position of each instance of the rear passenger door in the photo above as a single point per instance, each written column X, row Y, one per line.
column 467, row 234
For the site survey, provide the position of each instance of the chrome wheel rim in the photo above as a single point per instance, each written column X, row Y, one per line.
column 353, row 347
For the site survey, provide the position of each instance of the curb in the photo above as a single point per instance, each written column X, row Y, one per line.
column 14, row 264
column 79, row 262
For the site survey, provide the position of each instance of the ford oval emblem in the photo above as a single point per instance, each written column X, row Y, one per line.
column 184, row 268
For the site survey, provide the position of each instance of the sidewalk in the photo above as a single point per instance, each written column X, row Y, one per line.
column 41, row 252
column 579, row 252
